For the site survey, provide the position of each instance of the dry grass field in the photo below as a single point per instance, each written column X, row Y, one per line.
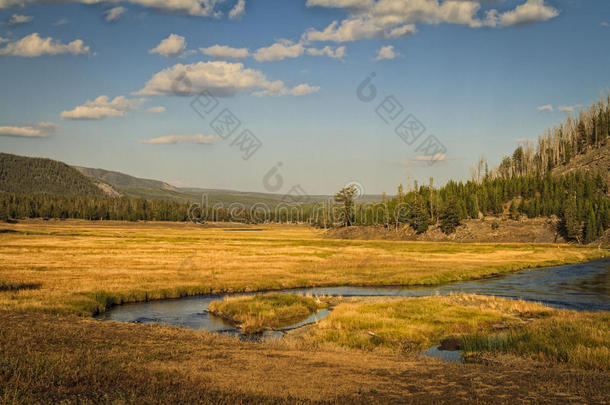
column 55, row 274
column 67, row 359
column 79, row 267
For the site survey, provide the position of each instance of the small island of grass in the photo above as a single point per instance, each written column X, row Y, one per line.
column 254, row 314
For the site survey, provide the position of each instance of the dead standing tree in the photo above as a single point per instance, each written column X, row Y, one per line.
column 345, row 197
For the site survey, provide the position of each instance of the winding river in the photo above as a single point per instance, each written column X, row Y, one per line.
column 581, row 287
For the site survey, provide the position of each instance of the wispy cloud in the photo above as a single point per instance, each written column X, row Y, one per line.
column 222, row 79
column 40, row 130
column 279, row 51
column 156, row 110
column 173, row 46
column 114, row 14
column 238, row 11
column 525, row 140
column 336, row 53
column 176, row 139
column 198, row 8
column 386, row 52
column 546, row 107
column 102, row 107
column 61, row 22
column 569, row 108
column 33, row 46
column 388, row 19
column 17, row 19
column 225, row 52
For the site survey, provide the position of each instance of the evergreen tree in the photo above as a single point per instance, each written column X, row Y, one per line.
column 420, row 221
column 572, row 225
column 514, row 211
column 450, row 217
column 591, row 227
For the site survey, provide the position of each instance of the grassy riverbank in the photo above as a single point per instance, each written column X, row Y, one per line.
column 59, row 359
column 477, row 324
column 265, row 311
column 362, row 353
column 80, row 267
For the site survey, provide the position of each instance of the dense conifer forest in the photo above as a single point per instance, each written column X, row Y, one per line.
column 521, row 186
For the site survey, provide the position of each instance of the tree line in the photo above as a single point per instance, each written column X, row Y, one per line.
column 19, row 206
column 522, row 185
column 579, row 199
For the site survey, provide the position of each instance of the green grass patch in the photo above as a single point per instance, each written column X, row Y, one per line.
column 580, row 339
column 415, row 324
column 265, row 311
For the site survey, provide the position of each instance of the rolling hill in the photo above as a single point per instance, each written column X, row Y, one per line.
column 19, row 174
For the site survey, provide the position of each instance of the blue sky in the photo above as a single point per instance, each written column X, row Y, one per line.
column 479, row 75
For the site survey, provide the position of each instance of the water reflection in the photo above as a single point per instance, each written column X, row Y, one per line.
column 578, row 287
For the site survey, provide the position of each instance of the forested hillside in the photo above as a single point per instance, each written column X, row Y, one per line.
column 533, row 182
column 564, row 177
column 577, row 136
column 19, row 174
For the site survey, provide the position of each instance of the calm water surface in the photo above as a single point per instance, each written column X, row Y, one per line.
column 577, row 287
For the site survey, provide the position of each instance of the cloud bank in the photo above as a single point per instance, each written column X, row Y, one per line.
column 102, row 107
column 33, row 45
column 222, row 79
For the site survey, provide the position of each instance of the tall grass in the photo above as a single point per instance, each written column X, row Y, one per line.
column 566, row 337
column 264, row 311
column 86, row 267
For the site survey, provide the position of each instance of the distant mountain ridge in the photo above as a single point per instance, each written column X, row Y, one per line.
column 123, row 180
column 27, row 175
column 20, row 174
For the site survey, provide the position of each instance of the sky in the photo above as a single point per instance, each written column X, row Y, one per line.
column 306, row 95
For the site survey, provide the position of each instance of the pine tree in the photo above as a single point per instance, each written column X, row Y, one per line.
column 420, row 220
column 590, row 227
column 514, row 212
column 572, row 225
column 450, row 217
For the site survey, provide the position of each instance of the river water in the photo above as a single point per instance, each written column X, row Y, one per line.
column 581, row 287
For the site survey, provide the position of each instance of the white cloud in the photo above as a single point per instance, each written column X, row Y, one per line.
column 239, row 10
column 225, row 52
column 221, row 78
column 102, row 107
column 354, row 29
column 279, row 51
column 386, row 52
column 40, row 130
column 526, row 140
column 568, row 108
column 605, row 24
column 17, row 19
column 530, row 12
column 114, row 14
column 303, row 89
column 3, row 40
column 353, row 4
column 396, row 18
column 173, row 46
column 547, row 107
column 176, row 139
column 439, row 157
column 33, row 46
column 199, row 8
column 337, row 53
column 61, row 22
column 156, row 110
